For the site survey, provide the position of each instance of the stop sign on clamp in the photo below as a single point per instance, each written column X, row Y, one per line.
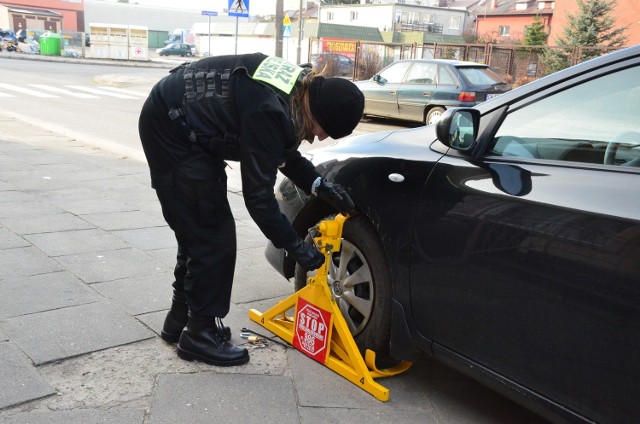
column 317, row 327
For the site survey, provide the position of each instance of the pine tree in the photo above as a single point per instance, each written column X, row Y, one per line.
column 535, row 34
column 591, row 26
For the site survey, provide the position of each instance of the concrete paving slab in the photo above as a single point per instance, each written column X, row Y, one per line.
column 153, row 320
column 25, row 261
column 62, row 243
column 45, row 223
column 80, row 416
column 15, row 196
column 249, row 238
column 124, row 220
column 19, row 380
column 149, row 238
column 9, row 240
column 44, row 292
column 349, row 415
column 139, row 295
column 34, row 208
column 61, row 197
column 120, row 376
column 112, row 265
column 255, row 279
column 3, row 337
column 96, row 206
column 68, row 332
column 207, row 397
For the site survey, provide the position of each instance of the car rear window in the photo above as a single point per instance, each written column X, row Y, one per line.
column 480, row 75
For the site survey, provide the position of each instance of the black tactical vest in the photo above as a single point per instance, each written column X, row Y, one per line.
column 207, row 106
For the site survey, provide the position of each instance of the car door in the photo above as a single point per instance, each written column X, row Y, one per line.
column 525, row 260
column 417, row 90
column 381, row 93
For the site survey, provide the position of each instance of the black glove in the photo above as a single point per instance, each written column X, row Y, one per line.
column 307, row 256
column 336, row 196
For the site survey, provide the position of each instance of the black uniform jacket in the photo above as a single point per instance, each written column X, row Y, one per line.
column 260, row 117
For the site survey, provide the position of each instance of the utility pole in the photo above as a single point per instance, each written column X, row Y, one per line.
column 300, row 33
column 279, row 29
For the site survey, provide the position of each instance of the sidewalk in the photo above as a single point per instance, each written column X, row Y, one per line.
column 87, row 269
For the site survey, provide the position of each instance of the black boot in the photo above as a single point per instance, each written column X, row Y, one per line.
column 177, row 319
column 203, row 340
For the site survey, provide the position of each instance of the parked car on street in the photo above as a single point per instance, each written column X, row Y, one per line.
column 504, row 241
column 422, row 89
column 177, row 49
column 337, row 64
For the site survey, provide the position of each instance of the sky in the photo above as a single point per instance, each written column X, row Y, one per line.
column 256, row 7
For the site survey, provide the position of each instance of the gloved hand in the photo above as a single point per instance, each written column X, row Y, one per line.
column 307, row 256
column 335, row 195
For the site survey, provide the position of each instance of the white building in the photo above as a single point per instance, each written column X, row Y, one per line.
column 397, row 17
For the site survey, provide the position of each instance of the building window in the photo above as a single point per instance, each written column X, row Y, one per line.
column 454, row 22
column 329, row 16
column 427, row 18
column 354, row 16
column 503, row 31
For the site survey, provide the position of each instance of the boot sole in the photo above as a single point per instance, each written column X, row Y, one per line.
column 169, row 337
column 190, row 356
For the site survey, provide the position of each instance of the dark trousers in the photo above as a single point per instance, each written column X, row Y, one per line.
column 198, row 212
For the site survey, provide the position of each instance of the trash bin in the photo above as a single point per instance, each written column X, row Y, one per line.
column 50, row 44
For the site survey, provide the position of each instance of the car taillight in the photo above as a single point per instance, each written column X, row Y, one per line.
column 467, row 96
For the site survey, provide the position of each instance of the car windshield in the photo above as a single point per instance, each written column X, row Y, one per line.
column 480, row 75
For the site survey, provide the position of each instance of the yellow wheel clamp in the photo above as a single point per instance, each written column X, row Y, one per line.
column 317, row 327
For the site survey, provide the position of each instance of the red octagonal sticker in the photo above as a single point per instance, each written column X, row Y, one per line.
column 312, row 330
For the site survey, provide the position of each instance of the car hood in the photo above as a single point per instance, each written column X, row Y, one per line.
column 411, row 144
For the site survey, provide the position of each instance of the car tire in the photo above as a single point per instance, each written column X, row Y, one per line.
column 433, row 115
column 372, row 329
column 189, row 54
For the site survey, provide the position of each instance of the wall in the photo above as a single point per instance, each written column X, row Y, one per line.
column 488, row 28
column 383, row 16
column 72, row 11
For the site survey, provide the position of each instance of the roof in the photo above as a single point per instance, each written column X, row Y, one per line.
column 40, row 12
column 349, row 32
column 508, row 7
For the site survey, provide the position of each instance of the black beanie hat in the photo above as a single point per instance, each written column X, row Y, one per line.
column 336, row 104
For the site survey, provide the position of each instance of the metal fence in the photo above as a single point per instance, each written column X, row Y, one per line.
column 517, row 64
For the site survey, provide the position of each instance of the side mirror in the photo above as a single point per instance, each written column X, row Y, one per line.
column 458, row 128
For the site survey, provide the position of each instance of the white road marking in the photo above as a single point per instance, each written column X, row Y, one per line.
column 24, row 90
column 63, row 91
column 100, row 92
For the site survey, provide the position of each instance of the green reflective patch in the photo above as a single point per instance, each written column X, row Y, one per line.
column 278, row 72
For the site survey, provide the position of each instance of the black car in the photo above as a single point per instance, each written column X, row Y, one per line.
column 503, row 241
column 422, row 89
column 333, row 64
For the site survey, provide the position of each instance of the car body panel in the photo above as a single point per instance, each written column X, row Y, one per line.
column 176, row 49
column 421, row 84
column 521, row 271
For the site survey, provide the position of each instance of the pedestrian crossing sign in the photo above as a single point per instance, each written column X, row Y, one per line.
column 239, row 8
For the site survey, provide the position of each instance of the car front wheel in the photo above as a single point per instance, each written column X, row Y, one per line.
column 360, row 280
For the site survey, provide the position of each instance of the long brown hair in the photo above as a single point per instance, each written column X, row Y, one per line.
column 302, row 111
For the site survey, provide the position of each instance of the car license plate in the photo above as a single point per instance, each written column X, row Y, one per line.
column 491, row 96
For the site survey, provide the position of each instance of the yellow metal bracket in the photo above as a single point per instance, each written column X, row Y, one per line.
column 317, row 327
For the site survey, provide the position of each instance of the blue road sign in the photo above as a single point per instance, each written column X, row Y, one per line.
column 239, row 8
column 209, row 13
column 286, row 30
